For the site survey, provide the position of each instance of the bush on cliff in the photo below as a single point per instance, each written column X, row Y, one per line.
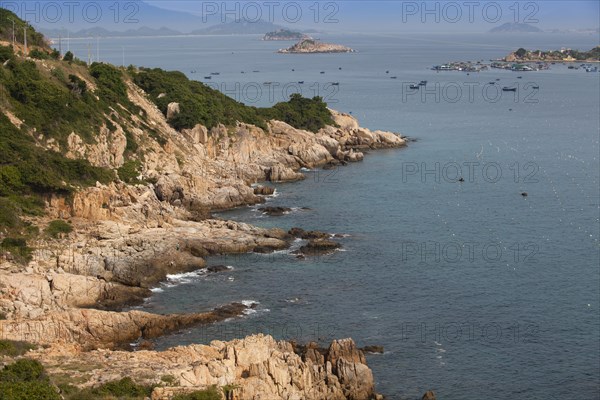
column 200, row 104
column 58, row 228
column 26, row 380
column 211, row 393
column 13, row 348
column 124, row 389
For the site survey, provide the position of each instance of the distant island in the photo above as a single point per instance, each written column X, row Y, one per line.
column 312, row 46
column 515, row 27
column 566, row 55
column 285, row 34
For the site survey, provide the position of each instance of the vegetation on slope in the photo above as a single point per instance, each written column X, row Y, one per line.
column 200, row 104
column 43, row 102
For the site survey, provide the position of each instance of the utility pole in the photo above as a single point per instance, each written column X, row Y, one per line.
column 123, row 64
column 25, row 37
column 13, row 31
column 97, row 48
column 60, row 44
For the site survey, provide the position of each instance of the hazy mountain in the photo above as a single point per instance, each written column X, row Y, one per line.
column 101, row 32
column 239, row 28
column 515, row 27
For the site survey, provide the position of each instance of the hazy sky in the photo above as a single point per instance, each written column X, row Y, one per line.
column 444, row 16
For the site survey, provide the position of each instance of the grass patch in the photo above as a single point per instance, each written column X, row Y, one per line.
column 211, row 393
column 12, row 348
column 58, row 229
column 124, row 389
column 25, row 380
column 130, row 171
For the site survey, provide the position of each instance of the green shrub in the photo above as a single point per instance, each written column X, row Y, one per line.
column 39, row 55
column 2, row 317
column 211, row 393
column 6, row 53
column 23, row 370
column 125, row 388
column 58, row 228
column 130, row 171
column 68, row 57
column 200, row 104
column 13, row 348
column 18, row 248
column 110, row 82
column 26, row 380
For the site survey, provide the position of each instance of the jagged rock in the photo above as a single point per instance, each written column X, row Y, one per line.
column 373, row 349
column 217, row 268
column 264, row 190
column 319, row 246
column 302, row 234
column 172, row 110
column 275, row 211
column 198, row 134
column 279, row 173
column 429, row 395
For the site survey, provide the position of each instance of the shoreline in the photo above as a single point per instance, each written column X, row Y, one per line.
column 128, row 238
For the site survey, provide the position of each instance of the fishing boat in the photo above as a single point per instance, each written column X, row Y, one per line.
column 509, row 89
column 208, row 77
column 415, row 87
column 423, row 83
column 301, row 82
column 335, row 83
column 393, row 77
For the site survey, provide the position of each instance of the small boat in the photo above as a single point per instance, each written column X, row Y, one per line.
column 387, row 72
column 322, row 72
column 256, row 71
column 208, row 77
column 535, row 87
column 300, row 82
column 340, row 68
column 293, row 70
column 423, row 83
column 215, row 73
column 497, row 79
column 393, row 77
column 267, row 83
column 415, row 87
column 509, row 89
column 492, row 83
column 335, row 83
column 243, row 72
column 193, row 72
column 519, row 77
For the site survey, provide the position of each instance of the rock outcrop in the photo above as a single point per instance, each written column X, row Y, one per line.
column 128, row 237
column 255, row 367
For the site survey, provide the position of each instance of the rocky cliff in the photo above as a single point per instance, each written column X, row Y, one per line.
column 125, row 235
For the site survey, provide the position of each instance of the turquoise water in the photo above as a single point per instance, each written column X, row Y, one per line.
column 474, row 290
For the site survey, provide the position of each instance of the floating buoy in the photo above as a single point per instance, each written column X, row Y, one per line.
column 524, row 194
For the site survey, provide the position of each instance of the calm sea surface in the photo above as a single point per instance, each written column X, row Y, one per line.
column 474, row 290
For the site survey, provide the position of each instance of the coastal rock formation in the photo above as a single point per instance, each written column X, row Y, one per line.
column 128, row 235
column 308, row 46
column 255, row 367
column 89, row 329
